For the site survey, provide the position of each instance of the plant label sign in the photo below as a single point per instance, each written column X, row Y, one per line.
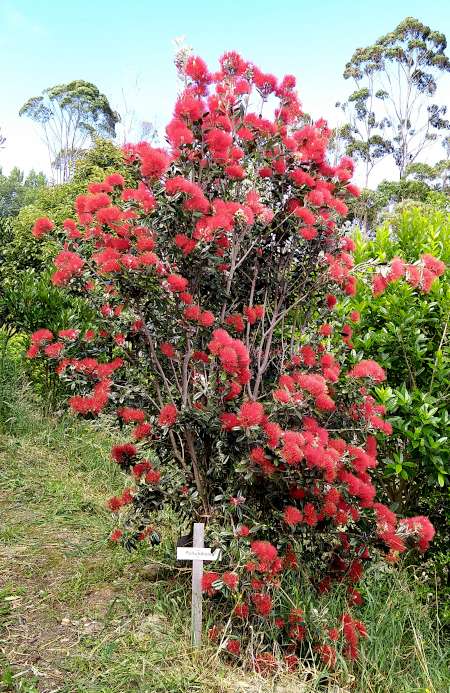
column 197, row 554
column 192, row 553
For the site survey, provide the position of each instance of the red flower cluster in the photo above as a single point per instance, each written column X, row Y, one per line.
column 168, row 415
column 234, row 360
column 421, row 274
column 367, row 369
column 41, row 226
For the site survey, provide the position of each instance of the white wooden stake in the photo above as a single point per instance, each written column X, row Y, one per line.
column 197, row 554
column 197, row 574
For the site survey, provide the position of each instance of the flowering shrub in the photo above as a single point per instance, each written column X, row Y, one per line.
column 215, row 279
column 408, row 330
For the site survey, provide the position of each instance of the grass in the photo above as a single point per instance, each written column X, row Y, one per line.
column 79, row 615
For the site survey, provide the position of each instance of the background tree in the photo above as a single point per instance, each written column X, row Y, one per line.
column 391, row 110
column 363, row 134
column 18, row 190
column 71, row 115
column 436, row 177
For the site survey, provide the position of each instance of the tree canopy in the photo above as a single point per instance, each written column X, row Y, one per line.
column 392, row 109
column 70, row 115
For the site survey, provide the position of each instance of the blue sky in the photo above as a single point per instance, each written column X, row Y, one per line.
column 126, row 48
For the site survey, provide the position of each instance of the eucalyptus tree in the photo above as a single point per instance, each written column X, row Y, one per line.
column 393, row 109
column 71, row 116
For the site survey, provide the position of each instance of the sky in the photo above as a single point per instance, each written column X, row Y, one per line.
column 126, row 48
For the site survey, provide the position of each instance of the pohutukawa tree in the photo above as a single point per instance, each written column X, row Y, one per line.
column 240, row 400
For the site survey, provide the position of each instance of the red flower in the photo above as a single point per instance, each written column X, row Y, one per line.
column 251, row 414
column 41, row 336
column 68, row 334
column 115, row 179
column 292, row 516
column 206, row 318
column 437, row 267
column 331, row 301
column 306, row 215
column 229, row 421
column 327, row 655
column 325, row 330
column 125, row 454
column 208, row 578
column 167, row 349
column 231, row 580
column 114, row 503
column 265, row 663
column 291, row 661
column 197, row 69
column 177, row 283
column 168, row 415
column 54, row 350
column 233, row 647
column 265, row 83
column 309, row 514
column 41, row 226
column 178, row 133
column 367, row 369
column 154, row 161
column 145, row 243
column 308, row 233
column 213, row 633
column 333, row 634
column 130, row 415
column 241, row 610
column 262, row 603
column 116, row 535
column 192, row 312
column 153, row 476
column 264, row 550
column 69, row 264
column 33, row 351
column 235, row 171
column 141, row 468
column 233, row 64
column 243, row 531
column 235, row 321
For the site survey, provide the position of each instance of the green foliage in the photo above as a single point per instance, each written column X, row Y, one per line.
column 25, row 305
column 408, row 333
column 409, row 232
column 28, row 300
column 32, row 301
column 99, row 161
column 372, row 207
column 16, row 190
column 23, row 252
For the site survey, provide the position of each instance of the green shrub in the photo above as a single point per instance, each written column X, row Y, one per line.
column 28, row 300
column 408, row 333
